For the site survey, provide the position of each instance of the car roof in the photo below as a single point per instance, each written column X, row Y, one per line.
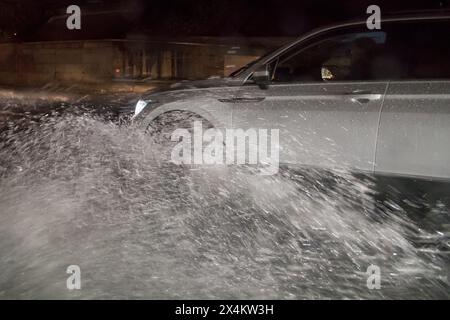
column 393, row 17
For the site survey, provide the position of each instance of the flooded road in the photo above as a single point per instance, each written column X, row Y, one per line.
column 82, row 189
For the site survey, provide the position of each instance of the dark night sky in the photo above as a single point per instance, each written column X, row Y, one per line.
column 178, row 18
column 260, row 17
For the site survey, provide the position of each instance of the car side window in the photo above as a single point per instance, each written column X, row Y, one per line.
column 341, row 57
column 424, row 48
column 406, row 50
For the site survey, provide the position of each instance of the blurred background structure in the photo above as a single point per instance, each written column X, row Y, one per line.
column 138, row 40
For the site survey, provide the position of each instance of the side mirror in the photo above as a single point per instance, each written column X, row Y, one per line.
column 262, row 77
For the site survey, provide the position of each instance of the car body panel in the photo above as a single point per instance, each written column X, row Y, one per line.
column 204, row 102
column 320, row 124
column 414, row 135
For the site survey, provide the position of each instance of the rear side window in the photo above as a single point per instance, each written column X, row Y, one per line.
column 400, row 50
column 421, row 48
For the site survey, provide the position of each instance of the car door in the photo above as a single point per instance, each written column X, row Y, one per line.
column 414, row 130
column 324, row 125
column 321, row 123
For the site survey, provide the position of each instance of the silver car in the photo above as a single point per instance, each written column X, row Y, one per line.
column 375, row 101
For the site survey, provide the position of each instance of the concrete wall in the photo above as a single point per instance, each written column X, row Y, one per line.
column 40, row 63
column 106, row 60
column 8, row 74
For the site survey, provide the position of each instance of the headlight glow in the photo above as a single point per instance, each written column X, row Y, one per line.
column 140, row 105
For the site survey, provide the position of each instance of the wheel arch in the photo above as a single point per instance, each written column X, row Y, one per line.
column 201, row 111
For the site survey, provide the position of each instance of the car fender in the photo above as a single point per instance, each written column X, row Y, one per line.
column 219, row 114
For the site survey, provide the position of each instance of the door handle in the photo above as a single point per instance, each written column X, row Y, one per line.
column 363, row 96
column 242, row 99
column 355, row 92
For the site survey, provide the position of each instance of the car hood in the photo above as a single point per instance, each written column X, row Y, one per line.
column 213, row 87
column 198, row 84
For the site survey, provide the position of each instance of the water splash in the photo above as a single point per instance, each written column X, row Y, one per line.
column 79, row 190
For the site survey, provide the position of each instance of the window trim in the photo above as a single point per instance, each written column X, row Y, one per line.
column 317, row 33
column 315, row 43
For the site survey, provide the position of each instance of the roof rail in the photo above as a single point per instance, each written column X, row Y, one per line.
column 420, row 11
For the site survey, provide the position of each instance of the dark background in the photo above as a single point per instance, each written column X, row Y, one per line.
column 29, row 19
